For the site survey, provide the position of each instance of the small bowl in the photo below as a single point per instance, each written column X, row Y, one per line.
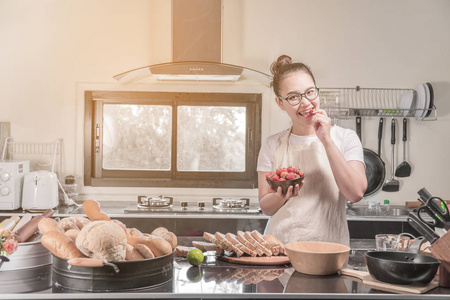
column 284, row 184
column 317, row 258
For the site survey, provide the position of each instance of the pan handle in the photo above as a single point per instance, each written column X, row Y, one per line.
column 358, row 127
column 380, row 134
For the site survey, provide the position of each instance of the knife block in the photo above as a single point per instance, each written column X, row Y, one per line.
column 441, row 250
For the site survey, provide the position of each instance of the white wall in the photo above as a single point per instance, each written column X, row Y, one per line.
column 50, row 51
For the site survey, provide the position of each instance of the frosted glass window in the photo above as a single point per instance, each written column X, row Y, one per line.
column 137, row 137
column 211, row 138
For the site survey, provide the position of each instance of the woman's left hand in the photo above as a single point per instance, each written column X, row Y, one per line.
column 322, row 125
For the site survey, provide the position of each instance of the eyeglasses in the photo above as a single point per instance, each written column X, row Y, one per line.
column 295, row 98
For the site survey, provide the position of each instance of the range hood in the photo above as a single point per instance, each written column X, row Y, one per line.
column 196, row 48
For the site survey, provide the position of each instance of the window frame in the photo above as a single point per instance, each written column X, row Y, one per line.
column 96, row 176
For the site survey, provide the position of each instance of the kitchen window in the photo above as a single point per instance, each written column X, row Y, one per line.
column 170, row 139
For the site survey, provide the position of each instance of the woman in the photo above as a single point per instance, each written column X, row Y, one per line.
column 331, row 158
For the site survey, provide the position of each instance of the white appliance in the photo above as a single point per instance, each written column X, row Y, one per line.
column 40, row 190
column 11, row 181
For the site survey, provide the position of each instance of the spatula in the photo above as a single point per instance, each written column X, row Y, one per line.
column 392, row 185
column 403, row 169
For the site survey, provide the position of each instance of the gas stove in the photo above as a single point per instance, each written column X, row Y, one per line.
column 162, row 204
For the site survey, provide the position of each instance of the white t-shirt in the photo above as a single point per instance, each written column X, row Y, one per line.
column 346, row 140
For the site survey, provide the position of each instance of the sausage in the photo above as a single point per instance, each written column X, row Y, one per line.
column 92, row 209
column 26, row 231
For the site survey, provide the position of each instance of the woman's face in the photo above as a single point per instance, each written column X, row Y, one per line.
column 298, row 82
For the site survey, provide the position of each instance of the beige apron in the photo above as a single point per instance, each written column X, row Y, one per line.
column 318, row 212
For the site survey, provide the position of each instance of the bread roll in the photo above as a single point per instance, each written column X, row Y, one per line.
column 168, row 236
column 60, row 245
column 49, row 224
column 144, row 251
column 92, row 209
column 68, row 223
column 73, row 233
column 157, row 245
column 133, row 253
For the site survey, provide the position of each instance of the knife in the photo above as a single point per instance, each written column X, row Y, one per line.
column 422, row 228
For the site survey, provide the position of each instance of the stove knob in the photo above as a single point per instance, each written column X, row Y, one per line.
column 5, row 176
column 184, row 205
column 201, row 205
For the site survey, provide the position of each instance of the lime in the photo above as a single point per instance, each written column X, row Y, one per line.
column 194, row 274
column 195, row 257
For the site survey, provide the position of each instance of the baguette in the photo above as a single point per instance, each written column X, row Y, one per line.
column 157, row 245
column 86, row 262
column 48, row 224
column 92, row 209
column 27, row 230
column 60, row 245
column 234, row 240
column 132, row 253
column 8, row 224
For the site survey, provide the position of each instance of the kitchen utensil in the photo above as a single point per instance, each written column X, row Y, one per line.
column 2, row 260
column 24, row 220
column 430, row 88
column 375, row 169
column 317, row 258
column 28, row 255
column 392, row 185
column 403, row 169
column 434, row 207
column 402, row 267
column 257, row 261
column 40, row 191
column 422, row 227
column 367, row 280
column 132, row 275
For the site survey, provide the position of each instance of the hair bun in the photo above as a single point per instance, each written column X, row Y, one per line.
column 282, row 61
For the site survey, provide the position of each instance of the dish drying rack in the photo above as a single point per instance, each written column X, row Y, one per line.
column 344, row 103
column 38, row 151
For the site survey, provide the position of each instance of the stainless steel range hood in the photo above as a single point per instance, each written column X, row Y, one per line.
column 196, row 48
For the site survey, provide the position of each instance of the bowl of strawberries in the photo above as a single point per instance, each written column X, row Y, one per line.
column 284, row 177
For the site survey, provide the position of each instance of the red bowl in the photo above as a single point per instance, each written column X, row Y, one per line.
column 284, row 184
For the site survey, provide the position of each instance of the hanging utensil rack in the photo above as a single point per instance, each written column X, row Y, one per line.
column 343, row 103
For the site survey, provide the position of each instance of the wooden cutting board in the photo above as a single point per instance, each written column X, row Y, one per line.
column 416, row 204
column 257, row 261
column 367, row 280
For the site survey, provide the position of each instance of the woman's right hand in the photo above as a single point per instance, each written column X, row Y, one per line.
column 271, row 200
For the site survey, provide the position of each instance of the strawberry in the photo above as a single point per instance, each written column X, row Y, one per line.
column 275, row 177
column 290, row 176
column 278, row 171
column 283, row 174
column 282, row 179
column 300, row 174
column 290, row 169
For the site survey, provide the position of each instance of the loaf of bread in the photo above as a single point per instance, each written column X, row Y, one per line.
column 48, row 224
column 60, row 245
column 157, row 245
column 92, row 209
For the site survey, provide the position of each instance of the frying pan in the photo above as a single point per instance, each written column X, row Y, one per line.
column 375, row 170
column 402, row 267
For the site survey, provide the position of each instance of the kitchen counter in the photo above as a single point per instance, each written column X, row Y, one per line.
column 116, row 209
column 216, row 279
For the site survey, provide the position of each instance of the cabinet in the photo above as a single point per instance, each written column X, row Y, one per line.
column 342, row 103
